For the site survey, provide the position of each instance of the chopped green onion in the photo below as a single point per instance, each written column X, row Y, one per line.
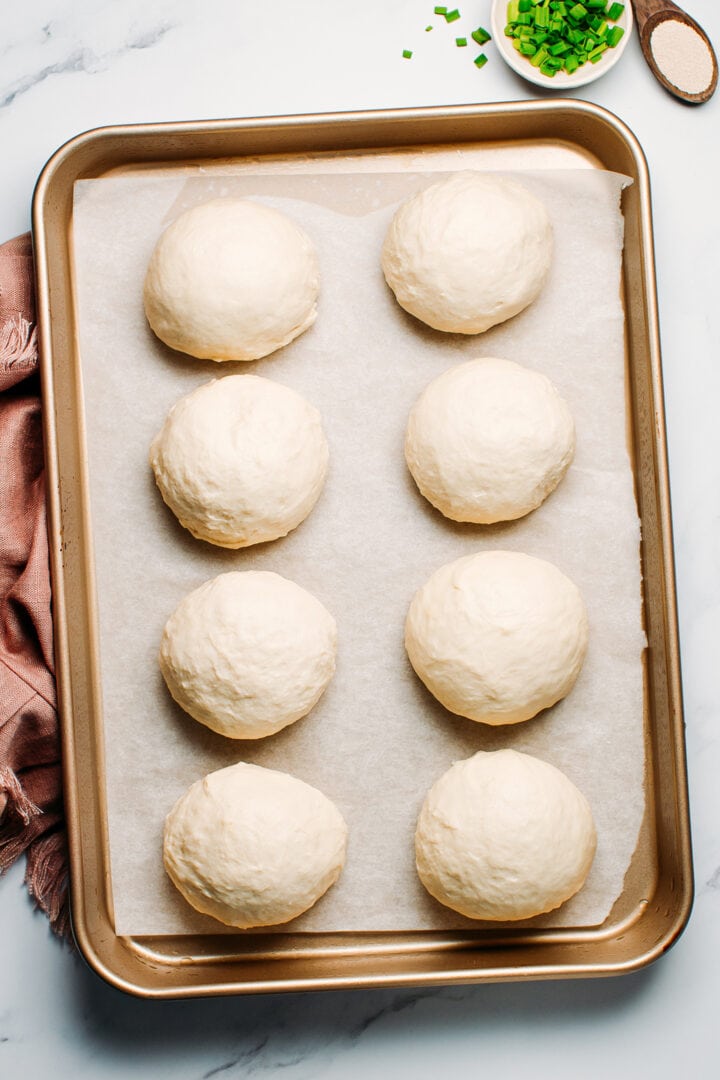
column 461, row 42
column 452, row 16
column 480, row 35
column 557, row 35
column 407, row 54
column 427, row 28
column 480, row 61
column 441, row 11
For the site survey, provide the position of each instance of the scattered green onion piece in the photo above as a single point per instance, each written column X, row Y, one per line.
column 480, row 61
column 461, row 42
column 613, row 36
column 407, row 54
column 440, row 11
column 427, row 28
column 480, row 35
column 615, row 11
column 452, row 16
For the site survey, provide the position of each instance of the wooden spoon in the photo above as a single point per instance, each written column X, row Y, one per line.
column 649, row 14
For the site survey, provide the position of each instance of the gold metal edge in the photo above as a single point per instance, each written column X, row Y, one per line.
column 79, row 922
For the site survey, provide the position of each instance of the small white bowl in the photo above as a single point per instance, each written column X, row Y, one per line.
column 561, row 81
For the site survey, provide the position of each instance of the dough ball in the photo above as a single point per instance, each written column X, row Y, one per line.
column 240, row 460
column 488, row 441
column 504, row 836
column 248, row 653
column 252, row 846
column 231, row 280
column 497, row 636
column 468, row 252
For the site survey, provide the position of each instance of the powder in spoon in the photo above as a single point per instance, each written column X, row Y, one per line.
column 682, row 56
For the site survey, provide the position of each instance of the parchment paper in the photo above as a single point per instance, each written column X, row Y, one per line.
column 376, row 741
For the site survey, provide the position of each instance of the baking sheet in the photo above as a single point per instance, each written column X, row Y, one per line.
column 376, row 741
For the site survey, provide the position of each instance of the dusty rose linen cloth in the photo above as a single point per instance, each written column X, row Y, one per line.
column 31, row 810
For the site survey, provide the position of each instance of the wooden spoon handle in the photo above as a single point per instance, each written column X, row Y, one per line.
column 645, row 8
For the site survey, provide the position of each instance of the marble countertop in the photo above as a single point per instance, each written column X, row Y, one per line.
column 70, row 65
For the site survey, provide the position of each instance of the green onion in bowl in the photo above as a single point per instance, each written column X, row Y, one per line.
column 561, row 44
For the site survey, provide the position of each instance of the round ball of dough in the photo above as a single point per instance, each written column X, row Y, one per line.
column 231, row 279
column 252, row 846
column 248, row 653
column 488, row 441
column 497, row 636
column 468, row 252
column 240, row 460
column 504, row 836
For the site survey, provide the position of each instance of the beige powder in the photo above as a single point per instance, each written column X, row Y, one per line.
column 682, row 56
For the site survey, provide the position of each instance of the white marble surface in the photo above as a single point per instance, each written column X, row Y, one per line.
column 69, row 65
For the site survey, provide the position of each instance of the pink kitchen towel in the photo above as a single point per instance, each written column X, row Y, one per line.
column 31, row 808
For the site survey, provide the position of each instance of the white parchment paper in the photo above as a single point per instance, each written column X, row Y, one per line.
column 377, row 740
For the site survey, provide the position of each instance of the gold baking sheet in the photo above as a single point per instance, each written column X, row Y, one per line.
column 656, row 897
